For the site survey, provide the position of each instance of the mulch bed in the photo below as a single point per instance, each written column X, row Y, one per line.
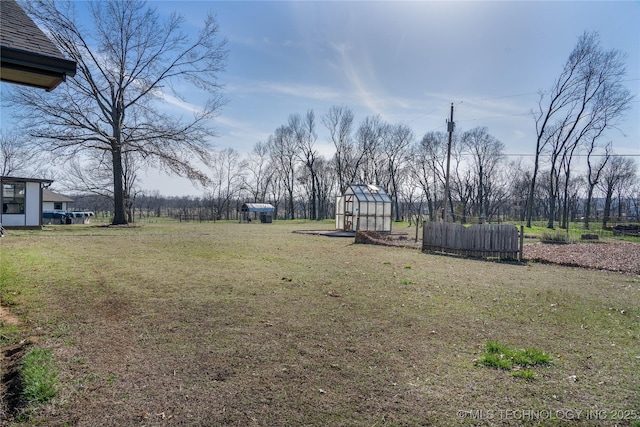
column 614, row 256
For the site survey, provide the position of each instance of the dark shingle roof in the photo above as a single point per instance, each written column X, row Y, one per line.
column 20, row 32
column 28, row 55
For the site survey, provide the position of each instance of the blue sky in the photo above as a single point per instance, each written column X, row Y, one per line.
column 406, row 61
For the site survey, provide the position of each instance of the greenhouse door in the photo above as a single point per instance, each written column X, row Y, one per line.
column 348, row 212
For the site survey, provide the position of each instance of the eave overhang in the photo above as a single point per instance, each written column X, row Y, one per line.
column 32, row 69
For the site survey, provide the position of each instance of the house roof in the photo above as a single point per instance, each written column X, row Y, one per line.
column 18, row 179
column 29, row 57
column 50, row 196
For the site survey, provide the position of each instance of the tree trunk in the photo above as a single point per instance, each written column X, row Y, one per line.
column 552, row 203
column 565, row 204
column 480, row 198
column 532, row 187
column 314, row 195
column 119, row 214
column 587, row 209
column 607, row 208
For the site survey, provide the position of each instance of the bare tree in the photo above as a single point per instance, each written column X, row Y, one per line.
column 282, row 148
column 94, row 175
column 593, row 174
column 326, row 176
column 427, row 165
column 339, row 122
column 17, row 158
column 261, row 172
column 369, row 136
column 227, row 178
column 396, row 144
column 587, row 99
column 518, row 178
column 304, row 132
column 496, row 193
column 619, row 171
column 129, row 63
column 421, row 174
column 486, row 154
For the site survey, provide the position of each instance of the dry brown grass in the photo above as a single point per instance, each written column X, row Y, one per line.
column 250, row 324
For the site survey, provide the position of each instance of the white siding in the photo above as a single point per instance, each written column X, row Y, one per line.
column 32, row 204
column 13, row 220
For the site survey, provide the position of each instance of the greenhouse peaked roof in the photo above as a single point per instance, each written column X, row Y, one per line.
column 369, row 193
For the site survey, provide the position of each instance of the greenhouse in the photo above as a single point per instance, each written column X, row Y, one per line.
column 251, row 211
column 363, row 207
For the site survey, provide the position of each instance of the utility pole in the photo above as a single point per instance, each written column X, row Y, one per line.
column 450, row 126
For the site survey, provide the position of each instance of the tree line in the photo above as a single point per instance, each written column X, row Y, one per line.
column 108, row 123
column 287, row 171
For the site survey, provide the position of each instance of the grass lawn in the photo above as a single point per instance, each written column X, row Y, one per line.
column 212, row 324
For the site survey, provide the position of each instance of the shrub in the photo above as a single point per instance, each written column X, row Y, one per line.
column 556, row 237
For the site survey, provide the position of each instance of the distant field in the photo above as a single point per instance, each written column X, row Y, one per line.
column 211, row 324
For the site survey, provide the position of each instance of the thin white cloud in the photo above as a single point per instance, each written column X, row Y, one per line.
column 355, row 77
column 279, row 88
column 179, row 103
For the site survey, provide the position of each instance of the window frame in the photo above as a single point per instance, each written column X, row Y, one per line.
column 14, row 194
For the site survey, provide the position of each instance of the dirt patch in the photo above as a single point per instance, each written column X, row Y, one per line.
column 10, row 359
column 7, row 317
column 387, row 239
column 11, row 385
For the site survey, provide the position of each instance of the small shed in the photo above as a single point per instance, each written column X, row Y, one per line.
column 363, row 207
column 253, row 211
column 21, row 200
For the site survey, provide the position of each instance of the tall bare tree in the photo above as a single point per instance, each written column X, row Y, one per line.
column 587, row 98
column 227, row 179
column 486, row 154
column 326, row 175
column 284, row 158
column 130, row 63
column 339, row 122
column 427, row 165
column 369, row 136
column 396, row 145
column 593, row 174
column 304, row 132
column 260, row 172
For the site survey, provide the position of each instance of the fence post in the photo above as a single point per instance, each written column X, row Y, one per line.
column 520, row 253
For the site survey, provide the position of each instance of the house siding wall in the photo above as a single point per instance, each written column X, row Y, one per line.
column 33, row 206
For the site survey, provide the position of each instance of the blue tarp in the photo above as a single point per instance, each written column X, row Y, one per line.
column 258, row 207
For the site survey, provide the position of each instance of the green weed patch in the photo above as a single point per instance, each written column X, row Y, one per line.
column 500, row 356
column 38, row 376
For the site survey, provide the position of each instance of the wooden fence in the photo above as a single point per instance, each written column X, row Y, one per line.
column 480, row 240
